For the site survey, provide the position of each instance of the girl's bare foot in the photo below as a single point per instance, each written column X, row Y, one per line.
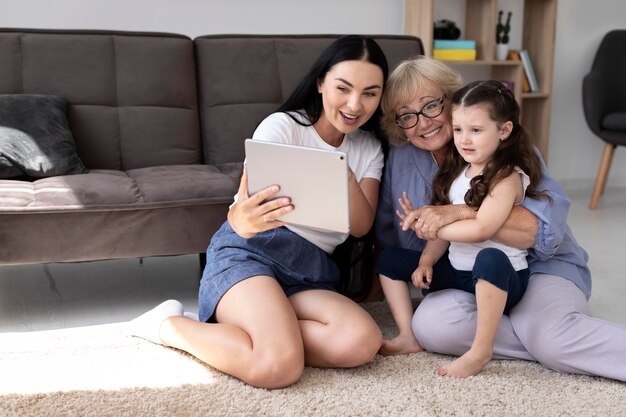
column 471, row 363
column 400, row 345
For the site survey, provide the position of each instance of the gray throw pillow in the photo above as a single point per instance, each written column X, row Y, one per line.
column 7, row 169
column 35, row 138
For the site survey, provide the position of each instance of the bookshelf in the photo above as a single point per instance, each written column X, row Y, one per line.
column 538, row 36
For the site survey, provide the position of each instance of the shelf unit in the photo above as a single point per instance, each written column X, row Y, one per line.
column 538, row 37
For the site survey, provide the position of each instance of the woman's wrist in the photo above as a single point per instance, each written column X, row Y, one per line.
column 231, row 216
column 464, row 212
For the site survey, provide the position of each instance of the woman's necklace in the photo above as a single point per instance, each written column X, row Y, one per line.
column 432, row 155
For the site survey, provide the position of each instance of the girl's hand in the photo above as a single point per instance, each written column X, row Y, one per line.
column 250, row 215
column 422, row 277
column 427, row 220
column 408, row 215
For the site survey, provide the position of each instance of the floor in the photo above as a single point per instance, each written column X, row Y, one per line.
column 54, row 296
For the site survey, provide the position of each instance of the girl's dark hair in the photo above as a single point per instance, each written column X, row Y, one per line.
column 346, row 48
column 516, row 150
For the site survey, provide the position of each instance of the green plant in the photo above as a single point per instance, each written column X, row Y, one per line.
column 502, row 30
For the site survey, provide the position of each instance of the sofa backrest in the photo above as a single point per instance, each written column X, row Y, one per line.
column 132, row 96
column 256, row 73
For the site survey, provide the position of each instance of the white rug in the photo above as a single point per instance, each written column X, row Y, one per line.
column 99, row 371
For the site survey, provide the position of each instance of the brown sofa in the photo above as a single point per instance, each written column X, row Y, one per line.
column 159, row 121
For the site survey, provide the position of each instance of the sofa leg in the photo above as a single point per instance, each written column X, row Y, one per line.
column 603, row 173
column 202, row 258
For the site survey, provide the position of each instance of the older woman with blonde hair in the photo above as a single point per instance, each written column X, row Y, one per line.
column 552, row 323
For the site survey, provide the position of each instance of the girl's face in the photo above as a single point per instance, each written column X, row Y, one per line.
column 476, row 136
column 351, row 92
column 430, row 134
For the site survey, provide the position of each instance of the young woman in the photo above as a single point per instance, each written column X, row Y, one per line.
column 267, row 299
column 552, row 323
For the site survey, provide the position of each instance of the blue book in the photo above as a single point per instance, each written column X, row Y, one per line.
column 529, row 70
column 454, row 44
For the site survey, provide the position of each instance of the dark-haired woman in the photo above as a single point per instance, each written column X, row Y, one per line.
column 267, row 298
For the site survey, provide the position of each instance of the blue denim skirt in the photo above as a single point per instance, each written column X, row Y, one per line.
column 293, row 261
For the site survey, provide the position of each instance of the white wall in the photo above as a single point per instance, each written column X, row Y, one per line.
column 574, row 154
column 574, row 151
column 203, row 17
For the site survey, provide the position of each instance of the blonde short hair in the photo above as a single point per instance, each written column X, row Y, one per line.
column 405, row 83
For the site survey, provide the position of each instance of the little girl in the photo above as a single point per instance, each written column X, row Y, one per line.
column 491, row 166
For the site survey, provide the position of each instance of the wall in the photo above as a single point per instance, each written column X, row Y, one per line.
column 574, row 151
column 203, row 17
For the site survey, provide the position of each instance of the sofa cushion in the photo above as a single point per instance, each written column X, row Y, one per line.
column 7, row 169
column 132, row 100
column 231, row 109
column 35, row 138
column 141, row 188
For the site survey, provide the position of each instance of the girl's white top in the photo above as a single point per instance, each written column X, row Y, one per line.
column 463, row 255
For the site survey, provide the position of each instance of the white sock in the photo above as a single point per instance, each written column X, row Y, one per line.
column 148, row 325
column 191, row 315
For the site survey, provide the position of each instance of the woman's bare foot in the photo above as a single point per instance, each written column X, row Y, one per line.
column 400, row 345
column 471, row 363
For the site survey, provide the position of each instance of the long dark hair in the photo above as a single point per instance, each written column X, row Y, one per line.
column 346, row 48
column 516, row 150
column 354, row 256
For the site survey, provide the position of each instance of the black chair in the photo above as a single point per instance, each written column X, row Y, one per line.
column 604, row 102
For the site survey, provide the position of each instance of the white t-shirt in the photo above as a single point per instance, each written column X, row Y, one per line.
column 463, row 255
column 365, row 158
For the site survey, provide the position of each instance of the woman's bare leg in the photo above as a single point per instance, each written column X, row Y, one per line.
column 490, row 302
column 257, row 338
column 398, row 298
column 337, row 332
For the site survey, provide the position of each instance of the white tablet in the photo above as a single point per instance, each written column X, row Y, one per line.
column 315, row 179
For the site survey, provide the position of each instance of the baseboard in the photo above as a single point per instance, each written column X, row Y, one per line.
column 578, row 184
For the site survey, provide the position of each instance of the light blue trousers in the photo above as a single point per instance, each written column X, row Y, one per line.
column 552, row 324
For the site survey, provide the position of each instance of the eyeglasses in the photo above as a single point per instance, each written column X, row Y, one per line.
column 430, row 110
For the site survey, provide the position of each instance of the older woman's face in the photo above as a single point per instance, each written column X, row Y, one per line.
column 429, row 134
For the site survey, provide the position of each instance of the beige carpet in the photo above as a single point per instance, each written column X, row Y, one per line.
column 98, row 371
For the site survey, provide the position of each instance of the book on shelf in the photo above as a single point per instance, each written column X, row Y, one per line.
column 529, row 70
column 454, row 44
column 454, row 49
column 455, row 54
column 513, row 55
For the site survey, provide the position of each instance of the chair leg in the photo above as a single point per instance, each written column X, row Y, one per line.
column 603, row 174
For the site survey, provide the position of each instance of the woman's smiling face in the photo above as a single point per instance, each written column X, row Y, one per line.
column 428, row 134
column 351, row 92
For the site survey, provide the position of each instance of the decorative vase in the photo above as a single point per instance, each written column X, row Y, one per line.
column 502, row 50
